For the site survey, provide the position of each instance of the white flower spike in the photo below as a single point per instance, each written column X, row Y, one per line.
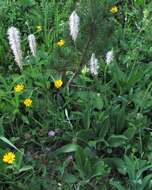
column 32, row 44
column 74, row 22
column 94, row 65
column 14, row 41
column 109, row 57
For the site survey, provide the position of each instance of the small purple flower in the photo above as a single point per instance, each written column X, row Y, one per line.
column 51, row 133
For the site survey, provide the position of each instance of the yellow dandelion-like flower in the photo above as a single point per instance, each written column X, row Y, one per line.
column 19, row 88
column 39, row 28
column 58, row 83
column 28, row 102
column 9, row 158
column 61, row 43
column 114, row 9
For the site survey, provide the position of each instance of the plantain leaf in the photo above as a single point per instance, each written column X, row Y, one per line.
column 67, row 148
column 116, row 140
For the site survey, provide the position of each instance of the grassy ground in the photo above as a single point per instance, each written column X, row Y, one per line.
column 93, row 132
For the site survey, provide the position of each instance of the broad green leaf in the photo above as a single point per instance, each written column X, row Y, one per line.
column 146, row 181
column 19, row 159
column 67, row 148
column 88, row 168
column 117, row 185
column 80, row 158
column 69, row 178
column 130, row 132
column 97, row 101
column 131, row 167
column 99, row 169
column 140, row 2
column 116, row 163
column 116, row 140
column 86, row 134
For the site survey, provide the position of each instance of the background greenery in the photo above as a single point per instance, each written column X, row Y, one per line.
column 103, row 135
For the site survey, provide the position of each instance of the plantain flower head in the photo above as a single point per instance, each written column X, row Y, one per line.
column 109, row 57
column 32, row 44
column 14, row 41
column 94, row 65
column 74, row 22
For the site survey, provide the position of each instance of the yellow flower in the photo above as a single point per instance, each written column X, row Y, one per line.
column 39, row 28
column 19, row 88
column 27, row 102
column 9, row 158
column 58, row 83
column 114, row 9
column 61, row 43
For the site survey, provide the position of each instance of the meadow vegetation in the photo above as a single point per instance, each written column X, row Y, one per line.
column 75, row 95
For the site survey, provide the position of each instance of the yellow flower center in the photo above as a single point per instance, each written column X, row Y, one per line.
column 114, row 9
column 61, row 43
column 58, row 83
column 19, row 88
column 9, row 158
column 27, row 102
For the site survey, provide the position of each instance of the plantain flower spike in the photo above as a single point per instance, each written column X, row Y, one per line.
column 94, row 65
column 109, row 57
column 14, row 41
column 32, row 44
column 74, row 22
